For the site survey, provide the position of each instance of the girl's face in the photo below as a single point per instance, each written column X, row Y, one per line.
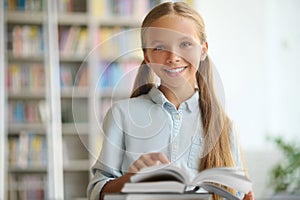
column 173, row 50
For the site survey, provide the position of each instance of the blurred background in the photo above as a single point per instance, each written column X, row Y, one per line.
column 255, row 46
column 52, row 54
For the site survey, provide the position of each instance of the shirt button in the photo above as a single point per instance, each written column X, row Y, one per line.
column 177, row 116
column 175, row 145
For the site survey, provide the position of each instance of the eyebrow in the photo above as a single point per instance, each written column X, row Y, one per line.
column 180, row 39
column 155, row 42
column 186, row 38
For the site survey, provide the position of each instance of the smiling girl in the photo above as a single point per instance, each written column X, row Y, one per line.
column 177, row 120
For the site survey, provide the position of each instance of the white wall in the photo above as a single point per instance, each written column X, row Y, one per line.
column 236, row 34
column 283, row 53
column 255, row 46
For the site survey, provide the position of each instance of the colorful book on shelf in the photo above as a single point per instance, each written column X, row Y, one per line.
column 171, row 179
column 99, row 8
column 26, row 40
column 17, row 40
column 66, row 76
column 72, row 6
column 82, row 43
column 119, row 76
column 23, row 76
column 26, row 186
column 28, row 149
column 71, row 39
column 23, row 112
column 81, row 79
column 24, row 5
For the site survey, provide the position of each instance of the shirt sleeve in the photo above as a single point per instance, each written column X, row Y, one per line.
column 108, row 165
column 236, row 151
column 235, row 146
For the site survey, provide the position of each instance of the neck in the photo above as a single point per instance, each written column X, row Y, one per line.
column 177, row 95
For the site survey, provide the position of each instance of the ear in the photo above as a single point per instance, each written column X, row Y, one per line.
column 204, row 51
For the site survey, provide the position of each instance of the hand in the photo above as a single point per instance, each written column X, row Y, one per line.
column 148, row 160
column 249, row 196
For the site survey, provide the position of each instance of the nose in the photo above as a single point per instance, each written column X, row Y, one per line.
column 173, row 57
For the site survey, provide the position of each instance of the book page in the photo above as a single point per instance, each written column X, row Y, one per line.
column 161, row 172
column 154, row 187
column 231, row 177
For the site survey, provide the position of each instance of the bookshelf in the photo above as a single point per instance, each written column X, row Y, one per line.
column 62, row 64
column 3, row 131
column 33, row 149
column 73, row 32
column 25, row 134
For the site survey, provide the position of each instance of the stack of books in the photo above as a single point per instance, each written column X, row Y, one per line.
column 170, row 182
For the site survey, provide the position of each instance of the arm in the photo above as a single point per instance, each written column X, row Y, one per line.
column 115, row 185
column 109, row 163
column 146, row 160
column 108, row 176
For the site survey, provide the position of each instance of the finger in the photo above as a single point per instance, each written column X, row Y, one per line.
column 143, row 161
column 133, row 169
column 140, row 164
column 150, row 162
column 162, row 158
column 146, row 159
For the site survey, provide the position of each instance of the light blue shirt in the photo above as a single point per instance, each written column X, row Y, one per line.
column 150, row 123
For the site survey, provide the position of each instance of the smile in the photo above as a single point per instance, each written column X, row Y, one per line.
column 175, row 70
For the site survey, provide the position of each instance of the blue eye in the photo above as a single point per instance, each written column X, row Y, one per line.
column 186, row 44
column 159, row 48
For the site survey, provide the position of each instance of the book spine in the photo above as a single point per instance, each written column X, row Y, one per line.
column 23, row 150
column 82, row 45
column 67, row 76
column 21, row 4
column 99, row 8
column 24, row 77
column 27, row 150
column 24, row 112
column 82, row 77
column 17, row 43
column 116, row 73
column 73, row 41
column 66, row 6
column 26, row 41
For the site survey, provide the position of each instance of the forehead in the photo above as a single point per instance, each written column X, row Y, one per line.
column 172, row 27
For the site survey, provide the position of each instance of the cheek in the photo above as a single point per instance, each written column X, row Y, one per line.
column 192, row 58
column 158, row 58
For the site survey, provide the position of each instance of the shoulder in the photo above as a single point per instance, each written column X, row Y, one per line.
column 131, row 105
column 142, row 100
column 135, row 114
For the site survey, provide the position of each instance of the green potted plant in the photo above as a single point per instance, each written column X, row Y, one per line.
column 285, row 175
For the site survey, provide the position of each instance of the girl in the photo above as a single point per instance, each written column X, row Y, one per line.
column 178, row 120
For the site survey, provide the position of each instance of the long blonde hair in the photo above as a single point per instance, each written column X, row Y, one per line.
column 215, row 122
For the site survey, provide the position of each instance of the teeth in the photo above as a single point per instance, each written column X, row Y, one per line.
column 177, row 70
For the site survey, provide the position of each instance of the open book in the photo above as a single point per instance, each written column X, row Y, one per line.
column 171, row 179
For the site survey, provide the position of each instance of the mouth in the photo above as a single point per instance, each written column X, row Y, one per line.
column 176, row 70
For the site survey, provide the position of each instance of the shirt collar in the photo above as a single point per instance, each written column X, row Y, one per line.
column 157, row 96
column 190, row 104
